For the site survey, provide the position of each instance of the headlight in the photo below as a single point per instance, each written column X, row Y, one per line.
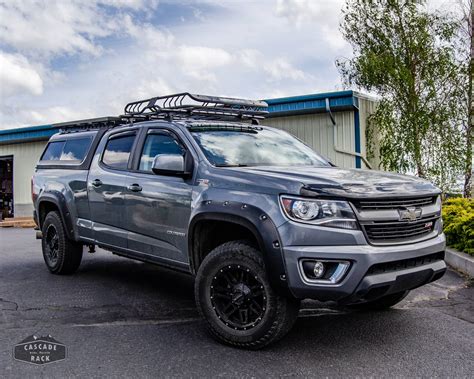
column 332, row 213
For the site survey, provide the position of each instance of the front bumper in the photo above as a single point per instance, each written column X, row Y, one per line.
column 362, row 281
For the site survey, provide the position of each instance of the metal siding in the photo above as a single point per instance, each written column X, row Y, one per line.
column 367, row 107
column 316, row 130
column 25, row 157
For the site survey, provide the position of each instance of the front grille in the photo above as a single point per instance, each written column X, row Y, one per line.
column 381, row 268
column 385, row 204
column 399, row 231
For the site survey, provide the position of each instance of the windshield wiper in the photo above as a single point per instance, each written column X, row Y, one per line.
column 230, row 165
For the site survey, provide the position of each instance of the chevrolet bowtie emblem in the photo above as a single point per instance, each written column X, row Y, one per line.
column 409, row 214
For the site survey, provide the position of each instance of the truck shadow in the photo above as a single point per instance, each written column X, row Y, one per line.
column 110, row 289
column 163, row 294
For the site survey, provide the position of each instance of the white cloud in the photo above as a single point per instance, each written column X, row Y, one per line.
column 132, row 4
column 300, row 12
column 23, row 116
column 151, row 88
column 199, row 61
column 251, row 58
column 115, row 51
column 56, row 113
column 51, row 27
column 322, row 15
column 147, row 35
column 282, row 69
column 18, row 75
column 43, row 28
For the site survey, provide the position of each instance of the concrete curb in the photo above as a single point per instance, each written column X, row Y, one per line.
column 460, row 261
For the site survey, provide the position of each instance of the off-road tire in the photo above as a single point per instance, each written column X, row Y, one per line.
column 279, row 313
column 67, row 253
column 383, row 303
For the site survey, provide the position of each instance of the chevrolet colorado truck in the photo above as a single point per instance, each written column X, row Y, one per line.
column 196, row 184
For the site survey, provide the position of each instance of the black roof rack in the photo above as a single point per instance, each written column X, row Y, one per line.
column 186, row 105
column 88, row 124
column 180, row 106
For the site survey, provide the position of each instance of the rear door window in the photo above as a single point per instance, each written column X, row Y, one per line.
column 117, row 152
column 74, row 150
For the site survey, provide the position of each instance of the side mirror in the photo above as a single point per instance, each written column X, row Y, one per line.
column 168, row 164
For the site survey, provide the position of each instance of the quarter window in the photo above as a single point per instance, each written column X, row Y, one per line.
column 117, row 151
column 156, row 144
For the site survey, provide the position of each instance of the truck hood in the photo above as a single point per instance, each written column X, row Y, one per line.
column 351, row 183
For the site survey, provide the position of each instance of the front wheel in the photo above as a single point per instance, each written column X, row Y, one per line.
column 234, row 296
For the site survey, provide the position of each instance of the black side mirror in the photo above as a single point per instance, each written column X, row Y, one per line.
column 169, row 164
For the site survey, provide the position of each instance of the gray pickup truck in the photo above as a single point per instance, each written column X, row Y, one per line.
column 196, row 184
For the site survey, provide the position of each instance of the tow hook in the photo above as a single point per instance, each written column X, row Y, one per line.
column 39, row 235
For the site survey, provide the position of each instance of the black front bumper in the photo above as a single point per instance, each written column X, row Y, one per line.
column 378, row 285
column 374, row 271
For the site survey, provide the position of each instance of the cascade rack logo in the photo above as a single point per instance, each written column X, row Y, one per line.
column 39, row 350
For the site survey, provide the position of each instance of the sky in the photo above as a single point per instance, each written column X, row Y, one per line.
column 63, row 60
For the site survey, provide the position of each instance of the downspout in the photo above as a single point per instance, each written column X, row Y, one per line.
column 338, row 149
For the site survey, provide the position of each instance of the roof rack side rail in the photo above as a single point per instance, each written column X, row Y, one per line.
column 89, row 124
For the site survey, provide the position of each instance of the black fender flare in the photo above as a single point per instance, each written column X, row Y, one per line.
column 258, row 223
column 56, row 198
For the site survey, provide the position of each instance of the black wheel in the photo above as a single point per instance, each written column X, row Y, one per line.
column 384, row 302
column 61, row 255
column 234, row 296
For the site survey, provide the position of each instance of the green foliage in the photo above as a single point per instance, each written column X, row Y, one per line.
column 409, row 57
column 458, row 217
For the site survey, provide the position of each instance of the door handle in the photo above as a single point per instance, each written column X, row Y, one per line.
column 135, row 187
column 96, row 182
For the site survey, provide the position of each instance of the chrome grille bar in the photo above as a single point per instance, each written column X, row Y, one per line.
column 395, row 204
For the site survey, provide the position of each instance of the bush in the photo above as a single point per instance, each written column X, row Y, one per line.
column 458, row 217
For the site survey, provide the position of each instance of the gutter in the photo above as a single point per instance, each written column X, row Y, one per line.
column 339, row 149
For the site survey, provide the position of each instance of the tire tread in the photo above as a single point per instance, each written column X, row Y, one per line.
column 71, row 255
column 286, row 312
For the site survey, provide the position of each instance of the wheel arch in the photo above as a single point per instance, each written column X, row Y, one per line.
column 53, row 202
column 245, row 217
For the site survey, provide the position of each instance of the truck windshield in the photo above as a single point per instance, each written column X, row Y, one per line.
column 254, row 147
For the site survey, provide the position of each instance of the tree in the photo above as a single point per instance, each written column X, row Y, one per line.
column 466, row 36
column 409, row 58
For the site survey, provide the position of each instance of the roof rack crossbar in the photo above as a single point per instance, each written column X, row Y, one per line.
column 185, row 104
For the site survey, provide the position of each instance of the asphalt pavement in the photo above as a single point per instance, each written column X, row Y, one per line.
column 123, row 318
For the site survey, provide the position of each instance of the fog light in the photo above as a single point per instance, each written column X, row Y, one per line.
column 318, row 269
column 323, row 271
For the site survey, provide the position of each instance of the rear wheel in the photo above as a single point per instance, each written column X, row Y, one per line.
column 61, row 255
column 234, row 295
column 384, row 302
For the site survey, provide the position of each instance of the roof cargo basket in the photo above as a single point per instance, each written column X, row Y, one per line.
column 186, row 105
column 88, row 124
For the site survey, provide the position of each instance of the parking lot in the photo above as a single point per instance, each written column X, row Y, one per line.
column 119, row 317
